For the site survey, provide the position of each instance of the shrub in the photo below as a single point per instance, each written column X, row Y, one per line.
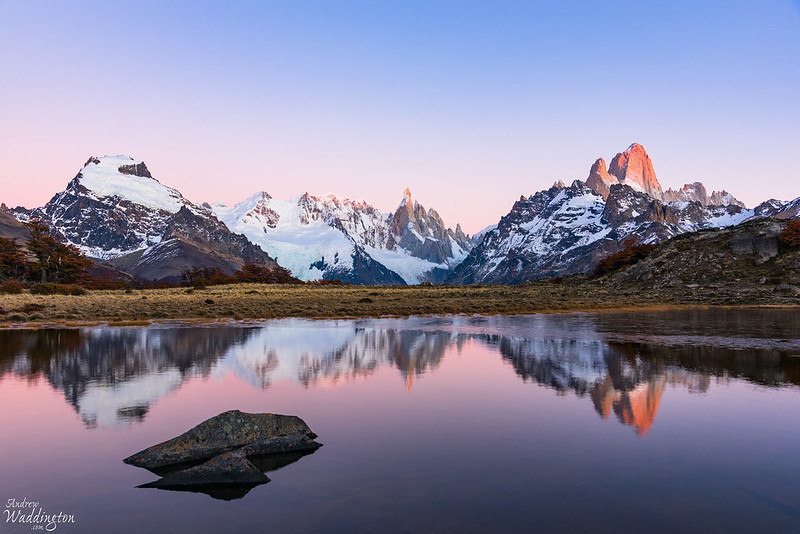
column 101, row 283
column 12, row 287
column 790, row 236
column 261, row 274
column 625, row 257
column 321, row 282
column 200, row 277
column 57, row 289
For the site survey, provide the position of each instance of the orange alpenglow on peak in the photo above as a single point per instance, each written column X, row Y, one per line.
column 632, row 168
column 599, row 179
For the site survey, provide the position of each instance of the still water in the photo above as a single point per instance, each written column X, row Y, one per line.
column 617, row 422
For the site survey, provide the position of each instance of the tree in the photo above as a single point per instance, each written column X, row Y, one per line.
column 12, row 260
column 56, row 261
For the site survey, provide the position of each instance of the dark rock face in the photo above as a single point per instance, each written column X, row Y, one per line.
column 258, row 433
column 136, row 169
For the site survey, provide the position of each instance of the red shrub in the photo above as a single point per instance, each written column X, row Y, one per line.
column 12, row 287
column 790, row 236
column 625, row 257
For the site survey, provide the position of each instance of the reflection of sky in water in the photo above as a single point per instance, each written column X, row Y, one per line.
column 114, row 375
column 553, row 423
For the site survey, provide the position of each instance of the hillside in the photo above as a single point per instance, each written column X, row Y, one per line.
column 743, row 264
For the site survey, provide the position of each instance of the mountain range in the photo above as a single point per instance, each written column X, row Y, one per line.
column 117, row 213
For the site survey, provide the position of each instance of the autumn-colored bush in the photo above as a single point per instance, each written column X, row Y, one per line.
column 57, row 289
column 12, row 287
column 200, row 277
column 790, row 236
column 625, row 257
column 260, row 274
column 101, row 283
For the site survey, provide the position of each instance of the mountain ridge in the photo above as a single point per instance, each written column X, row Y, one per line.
column 116, row 211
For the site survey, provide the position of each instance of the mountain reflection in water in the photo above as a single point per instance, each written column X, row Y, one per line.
column 113, row 376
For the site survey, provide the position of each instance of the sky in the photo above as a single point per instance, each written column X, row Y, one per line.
column 468, row 103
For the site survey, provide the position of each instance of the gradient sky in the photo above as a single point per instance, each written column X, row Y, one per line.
column 469, row 103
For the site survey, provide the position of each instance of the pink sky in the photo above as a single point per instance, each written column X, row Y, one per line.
column 469, row 105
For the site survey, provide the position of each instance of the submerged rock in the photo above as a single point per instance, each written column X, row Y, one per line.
column 255, row 433
column 227, row 468
column 226, row 456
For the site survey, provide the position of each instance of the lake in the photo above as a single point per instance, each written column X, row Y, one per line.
column 681, row 421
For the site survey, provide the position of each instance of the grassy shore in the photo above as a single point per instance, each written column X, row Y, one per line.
column 256, row 301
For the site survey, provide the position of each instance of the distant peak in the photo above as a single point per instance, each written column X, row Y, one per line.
column 407, row 202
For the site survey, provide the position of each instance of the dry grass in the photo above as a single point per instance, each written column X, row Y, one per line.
column 256, row 301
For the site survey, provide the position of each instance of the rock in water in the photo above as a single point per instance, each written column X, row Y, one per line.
column 227, row 468
column 253, row 433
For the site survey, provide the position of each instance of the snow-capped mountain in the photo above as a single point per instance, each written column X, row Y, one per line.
column 696, row 192
column 332, row 238
column 567, row 230
column 115, row 210
column 634, row 168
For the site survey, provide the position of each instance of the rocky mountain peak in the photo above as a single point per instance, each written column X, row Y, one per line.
column 599, row 179
column 635, row 169
column 723, row 198
column 694, row 192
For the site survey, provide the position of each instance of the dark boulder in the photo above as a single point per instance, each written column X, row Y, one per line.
column 227, row 455
column 256, row 433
